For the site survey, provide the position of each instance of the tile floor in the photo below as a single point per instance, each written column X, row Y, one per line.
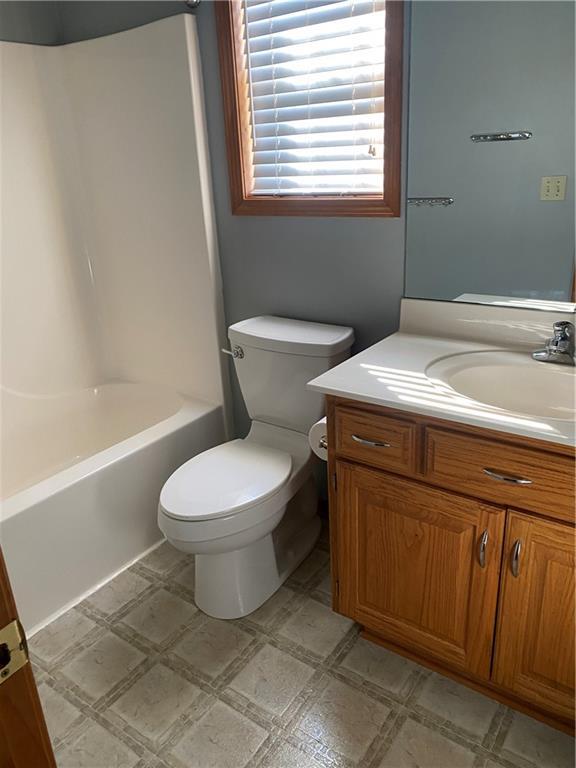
column 137, row 677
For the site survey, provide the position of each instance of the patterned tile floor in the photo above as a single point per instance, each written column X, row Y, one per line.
column 137, row 677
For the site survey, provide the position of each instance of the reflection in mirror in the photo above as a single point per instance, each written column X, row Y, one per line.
column 490, row 215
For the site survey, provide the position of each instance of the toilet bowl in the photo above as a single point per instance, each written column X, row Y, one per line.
column 248, row 508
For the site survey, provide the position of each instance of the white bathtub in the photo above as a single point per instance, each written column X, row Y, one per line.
column 81, row 476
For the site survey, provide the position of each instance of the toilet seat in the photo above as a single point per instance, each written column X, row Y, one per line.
column 225, row 480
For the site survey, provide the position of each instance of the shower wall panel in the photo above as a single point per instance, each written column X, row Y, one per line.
column 48, row 332
column 109, row 258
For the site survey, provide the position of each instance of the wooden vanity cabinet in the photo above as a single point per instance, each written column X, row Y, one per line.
column 425, row 552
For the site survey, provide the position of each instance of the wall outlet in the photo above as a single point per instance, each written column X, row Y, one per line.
column 552, row 187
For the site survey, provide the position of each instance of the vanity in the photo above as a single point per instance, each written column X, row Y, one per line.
column 451, row 490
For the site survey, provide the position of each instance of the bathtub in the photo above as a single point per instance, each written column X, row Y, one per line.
column 81, row 477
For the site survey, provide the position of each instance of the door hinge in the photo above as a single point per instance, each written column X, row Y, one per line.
column 337, row 588
column 13, row 650
column 335, row 482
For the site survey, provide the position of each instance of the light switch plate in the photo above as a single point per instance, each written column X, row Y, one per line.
column 553, row 188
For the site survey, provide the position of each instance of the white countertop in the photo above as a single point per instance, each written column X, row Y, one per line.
column 392, row 373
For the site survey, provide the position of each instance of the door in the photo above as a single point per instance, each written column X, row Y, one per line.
column 24, row 740
column 535, row 638
column 419, row 566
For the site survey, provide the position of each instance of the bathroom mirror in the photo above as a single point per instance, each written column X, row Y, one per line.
column 490, row 210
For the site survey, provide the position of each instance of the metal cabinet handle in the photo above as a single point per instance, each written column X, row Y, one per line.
column 510, row 479
column 482, row 549
column 515, row 558
column 371, row 443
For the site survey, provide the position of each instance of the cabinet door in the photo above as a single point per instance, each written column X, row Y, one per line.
column 411, row 566
column 535, row 639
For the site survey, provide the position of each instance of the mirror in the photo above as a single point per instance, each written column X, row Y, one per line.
column 490, row 214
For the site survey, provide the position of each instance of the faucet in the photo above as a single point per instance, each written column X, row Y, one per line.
column 560, row 348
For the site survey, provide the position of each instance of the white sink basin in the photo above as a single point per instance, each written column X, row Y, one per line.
column 510, row 380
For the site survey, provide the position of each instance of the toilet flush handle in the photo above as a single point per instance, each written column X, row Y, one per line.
column 236, row 352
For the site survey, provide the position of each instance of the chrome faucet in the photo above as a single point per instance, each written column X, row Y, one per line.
column 560, row 348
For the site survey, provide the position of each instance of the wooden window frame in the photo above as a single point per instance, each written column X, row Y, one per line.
column 237, row 125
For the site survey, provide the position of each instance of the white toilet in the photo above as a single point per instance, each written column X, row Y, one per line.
column 248, row 508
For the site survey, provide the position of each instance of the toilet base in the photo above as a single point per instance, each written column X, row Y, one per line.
column 231, row 585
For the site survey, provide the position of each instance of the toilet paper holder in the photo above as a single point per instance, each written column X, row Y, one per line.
column 318, row 439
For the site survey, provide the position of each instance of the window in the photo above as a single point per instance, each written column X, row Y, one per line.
column 313, row 105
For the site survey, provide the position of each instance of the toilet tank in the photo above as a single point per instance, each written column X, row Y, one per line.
column 278, row 358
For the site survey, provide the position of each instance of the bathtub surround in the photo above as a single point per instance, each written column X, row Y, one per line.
column 111, row 302
column 290, row 685
column 110, row 210
column 49, row 334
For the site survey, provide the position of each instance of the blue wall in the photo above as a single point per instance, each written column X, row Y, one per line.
column 31, row 22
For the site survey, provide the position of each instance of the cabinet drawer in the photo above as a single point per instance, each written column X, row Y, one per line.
column 377, row 440
column 530, row 479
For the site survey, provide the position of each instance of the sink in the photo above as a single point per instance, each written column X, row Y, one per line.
column 510, row 380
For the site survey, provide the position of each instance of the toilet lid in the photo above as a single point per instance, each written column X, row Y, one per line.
column 226, row 479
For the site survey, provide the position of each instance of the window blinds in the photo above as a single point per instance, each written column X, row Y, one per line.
column 315, row 73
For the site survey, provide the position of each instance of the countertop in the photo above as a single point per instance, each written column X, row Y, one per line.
column 392, row 373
